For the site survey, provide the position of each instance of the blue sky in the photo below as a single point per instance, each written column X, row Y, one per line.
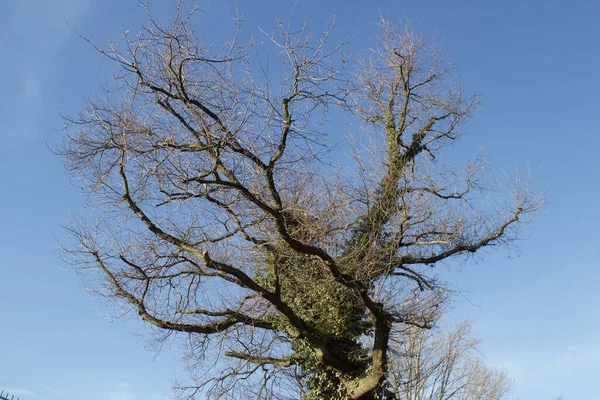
column 537, row 310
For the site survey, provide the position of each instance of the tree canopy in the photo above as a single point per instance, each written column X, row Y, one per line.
column 224, row 214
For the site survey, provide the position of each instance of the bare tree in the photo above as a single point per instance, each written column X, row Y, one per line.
column 224, row 215
column 427, row 365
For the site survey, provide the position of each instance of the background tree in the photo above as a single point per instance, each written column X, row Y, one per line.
column 427, row 365
column 223, row 214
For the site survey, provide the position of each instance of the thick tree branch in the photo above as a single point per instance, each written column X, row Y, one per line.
column 281, row 362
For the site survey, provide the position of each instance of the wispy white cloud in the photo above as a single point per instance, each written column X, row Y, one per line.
column 52, row 390
column 118, row 385
column 560, row 368
column 35, row 61
column 132, row 395
column 127, row 391
column 28, row 102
